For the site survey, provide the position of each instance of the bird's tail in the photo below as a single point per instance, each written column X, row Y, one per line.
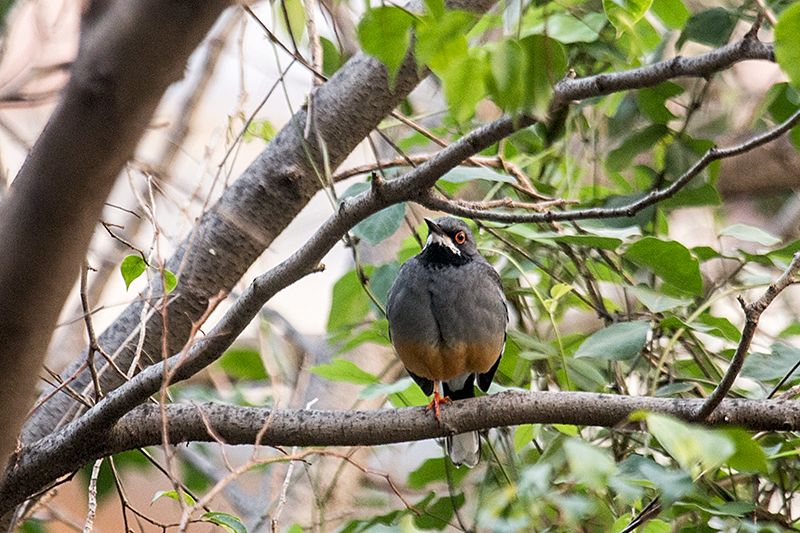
column 464, row 449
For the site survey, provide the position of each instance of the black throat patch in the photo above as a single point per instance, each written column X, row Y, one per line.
column 438, row 256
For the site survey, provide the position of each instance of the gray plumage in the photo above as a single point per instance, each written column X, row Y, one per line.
column 447, row 320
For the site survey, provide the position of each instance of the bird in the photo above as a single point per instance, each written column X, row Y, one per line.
column 447, row 322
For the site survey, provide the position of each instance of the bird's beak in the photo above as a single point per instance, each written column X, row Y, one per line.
column 433, row 227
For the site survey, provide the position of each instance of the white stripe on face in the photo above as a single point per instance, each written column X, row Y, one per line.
column 442, row 240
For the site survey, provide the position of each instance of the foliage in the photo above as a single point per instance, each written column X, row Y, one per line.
column 662, row 328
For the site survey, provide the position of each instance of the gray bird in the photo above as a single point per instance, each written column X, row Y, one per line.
column 447, row 321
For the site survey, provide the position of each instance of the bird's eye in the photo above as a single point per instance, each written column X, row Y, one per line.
column 460, row 237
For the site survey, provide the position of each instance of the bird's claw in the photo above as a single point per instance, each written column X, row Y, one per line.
column 437, row 400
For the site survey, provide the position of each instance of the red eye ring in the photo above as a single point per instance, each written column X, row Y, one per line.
column 460, row 237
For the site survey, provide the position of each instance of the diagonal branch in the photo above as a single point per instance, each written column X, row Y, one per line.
column 432, row 201
column 752, row 313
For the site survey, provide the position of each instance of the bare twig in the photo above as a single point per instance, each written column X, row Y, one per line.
column 313, row 40
column 752, row 313
column 92, row 497
column 94, row 347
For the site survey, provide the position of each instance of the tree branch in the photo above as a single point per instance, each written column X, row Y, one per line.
column 752, row 313
column 47, row 219
column 251, row 213
column 438, row 203
column 303, row 427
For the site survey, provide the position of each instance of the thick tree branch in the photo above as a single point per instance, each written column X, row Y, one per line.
column 47, row 219
column 752, row 312
column 252, row 212
column 82, row 432
column 302, row 427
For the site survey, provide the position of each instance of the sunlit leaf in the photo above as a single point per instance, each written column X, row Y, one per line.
column 131, row 268
column 624, row 14
column 787, row 43
column 385, row 33
column 695, row 448
column 673, row 13
column 350, row 303
column 174, row 495
column 345, row 371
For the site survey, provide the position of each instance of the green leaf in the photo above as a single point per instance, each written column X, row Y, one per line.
column 657, row 526
column 432, row 471
column 383, row 224
column 652, row 101
column 620, row 158
column 695, row 448
column 229, row 523
column 658, row 302
column 441, row 39
column 174, row 495
column 523, row 435
column 507, row 66
column 592, row 466
column 296, row 15
column 673, row 13
column 713, row 28
column 669, row 260
column 170, row 281
column 331, row 57
column 673, row 389
column 546, row 65
column 438, row 514
column 345, row 371
column 621, row 341
column 749, row 457
column 751, row 234
column 567, row 429
column 787, row 43
column 716, row 325
column 566, row 28
column 350, row 303
column 385, row 33
column 624, row 14
column 131, row 268
column 465, row 85
column 384, row 389
column 463, row 174
column 243, row 364
column 705, row 253
column 767, row 367
column 261, row 129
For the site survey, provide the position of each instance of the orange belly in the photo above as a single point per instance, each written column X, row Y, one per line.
column 442, row 363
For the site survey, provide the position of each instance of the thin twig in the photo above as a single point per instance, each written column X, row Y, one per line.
column 752, row 313
column 92, row 497
column 313, row 40
column 714, row 154
column 94, row 347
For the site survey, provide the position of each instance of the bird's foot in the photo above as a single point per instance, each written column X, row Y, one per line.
column 435, row 403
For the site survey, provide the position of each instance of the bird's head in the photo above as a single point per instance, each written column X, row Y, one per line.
column 449, row 240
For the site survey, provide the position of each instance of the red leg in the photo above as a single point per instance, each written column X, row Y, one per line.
column 437, row 399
